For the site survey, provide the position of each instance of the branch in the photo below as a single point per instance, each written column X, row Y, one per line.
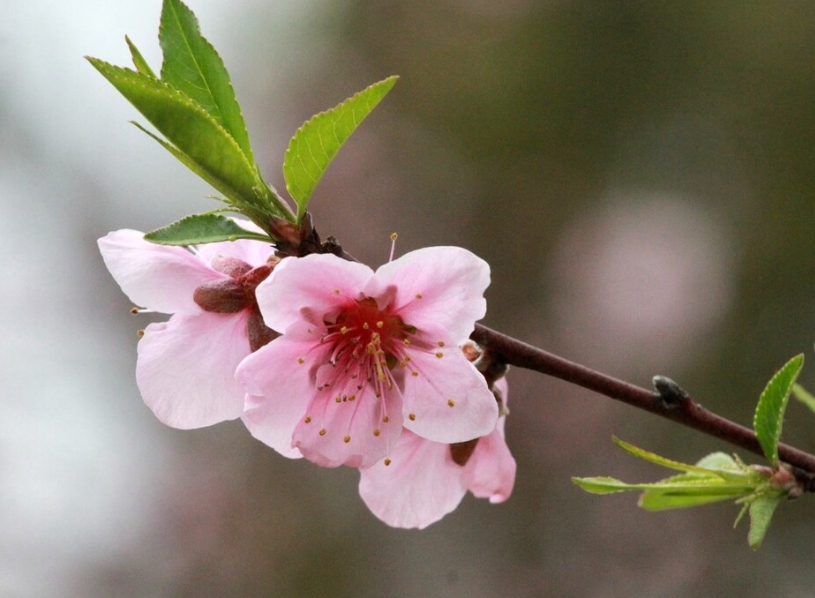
column 670, row 401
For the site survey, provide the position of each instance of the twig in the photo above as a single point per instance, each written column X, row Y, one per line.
column 669, row 400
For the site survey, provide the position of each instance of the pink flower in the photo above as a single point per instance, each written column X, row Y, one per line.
column 426, row 480
column 186, row 366
column 365, row 353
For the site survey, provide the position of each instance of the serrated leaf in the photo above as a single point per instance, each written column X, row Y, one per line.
column 761, row 513
column 317, row 142
column 192, row 66
column 202, row 228
column 657, row 459
column 195, row 134
column 804, row 396
column 138, row 60
column 769, row 416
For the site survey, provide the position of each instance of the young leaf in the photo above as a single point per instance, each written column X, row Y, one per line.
column 202, row 228
column 761, row 512
column 804, row 396
column 138, row 60
column 769, row 415
column 315, row 144
column 192, row 66
column 195, row 134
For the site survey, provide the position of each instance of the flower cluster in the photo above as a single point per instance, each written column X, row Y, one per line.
column 326, row 359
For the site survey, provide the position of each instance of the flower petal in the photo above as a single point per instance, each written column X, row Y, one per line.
column 448, row 400
column 278, row 389
column 419, row 487
column 315, row 284
column 159, row 277
column 443, row 285
column 490, row 472
column 349, row 426
column 186, row 366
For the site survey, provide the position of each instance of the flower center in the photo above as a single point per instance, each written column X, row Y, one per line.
column 369, row 343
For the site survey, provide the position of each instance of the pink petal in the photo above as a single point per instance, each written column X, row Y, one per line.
column 278, row 389
column 344, row 432
column 159, row 277
column 490, row 472
column 316, row 284
column 186, row 367
column 441, row 285
column 419, row 487
column 449, row 398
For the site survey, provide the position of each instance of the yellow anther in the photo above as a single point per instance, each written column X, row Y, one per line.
column 414, row 373
column 347, row 439
column 322, row 432
column 412, row 417
column 336, row 291
column 406, row 342
column 387, row 462
column 418, row 295
column 365, row 326
column 376, row 431
column 344, row 329
column 352, row 397
column 308, row 419
column 380, row 324
column 439, row 354
column 300, row 360
column 440, row 343
column 451, row 402
column 386, row 419
column 140, row 333
column 338, row 399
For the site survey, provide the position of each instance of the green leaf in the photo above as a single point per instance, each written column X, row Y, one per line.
column 138, row 60
column 657, row 459
column 804, row 396
column 761, row 512
column 769, row 415
column 192, row 66
column 315, row 144
column 202, row 228
column 196, row 135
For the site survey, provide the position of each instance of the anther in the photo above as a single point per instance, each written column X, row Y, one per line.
column 376, row 431
column 322, row 432
column 418, row 295
column 451, row 402
column 347, row 439
column 387, row 462
column 439, row 354
column 440, row 343
column 412, row 417
column 308, row 419
column 386, row 419
column 300, row 360
column 380, row 324
column 140, row 333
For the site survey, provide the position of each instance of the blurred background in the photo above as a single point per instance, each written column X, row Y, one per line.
column 640, row 176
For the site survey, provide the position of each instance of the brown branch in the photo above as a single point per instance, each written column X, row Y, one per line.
column 669, row 402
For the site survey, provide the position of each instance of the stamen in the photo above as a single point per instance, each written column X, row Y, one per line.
column 394, row 236
column 439, row 354
column 135, row 310
column 412, row 417
column 387, row 462
column 308, row 419
column 322, row 432
column 347, row 439
column 140, row 333
column 451, row 402
column 376, row 432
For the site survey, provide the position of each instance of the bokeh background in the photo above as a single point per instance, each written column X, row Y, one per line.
column 641, row 177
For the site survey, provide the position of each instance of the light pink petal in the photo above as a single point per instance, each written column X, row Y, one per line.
column 354, row 417
column 254, row 253
column 186, row 367
column 420, row 486
column 442, row 285
column 490, row 472
column 449, row 398
column 159, row 277
column 309, row 287
column 279, row 389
